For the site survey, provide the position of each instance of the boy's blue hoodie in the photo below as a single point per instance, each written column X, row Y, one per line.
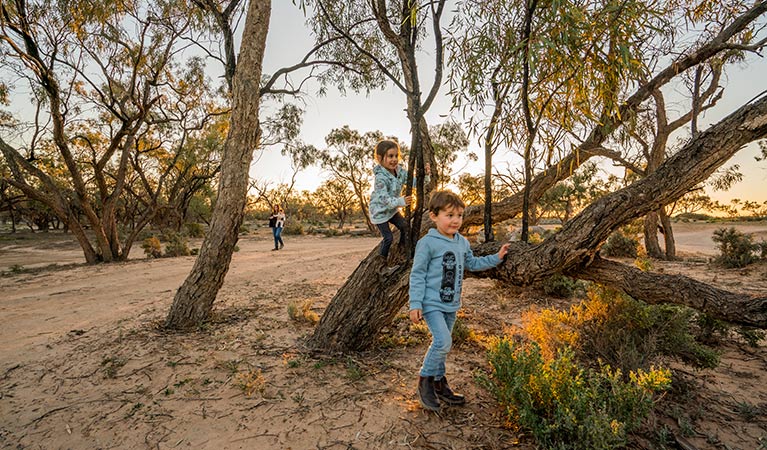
column 437, row 274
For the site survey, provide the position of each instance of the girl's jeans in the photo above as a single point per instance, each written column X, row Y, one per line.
column 441, row 327
column 277, row 232
column 398, row 221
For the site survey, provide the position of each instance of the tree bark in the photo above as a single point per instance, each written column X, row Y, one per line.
column 651, row 235
column 193, row 302
column 668, row 235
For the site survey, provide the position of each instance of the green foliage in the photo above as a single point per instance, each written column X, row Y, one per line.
column 620, row 245
column 194, row 230
column 736, row 249
column 461, row 332
column 561, row 286
column 152, row 247
column 177, row 245
column 293, row 227
column 566, row 406
column 624, row 333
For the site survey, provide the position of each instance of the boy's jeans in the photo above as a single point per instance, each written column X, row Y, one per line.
column 441, row 327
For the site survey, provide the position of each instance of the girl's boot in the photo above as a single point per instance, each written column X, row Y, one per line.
column 426, row 395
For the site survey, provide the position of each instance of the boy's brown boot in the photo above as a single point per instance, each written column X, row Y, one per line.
column 426, row 395
column 446, row 394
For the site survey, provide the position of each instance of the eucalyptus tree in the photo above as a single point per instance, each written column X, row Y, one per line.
column 377, row 44
column 532, row 73
column 349, row 157
column 193, row 301
column 336, row 198
column 574, row 248
column 101, row 75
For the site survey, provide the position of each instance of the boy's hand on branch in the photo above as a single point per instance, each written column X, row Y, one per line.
column 503, row 251
column 408, row 199
column 416, row 315
column 427, row 169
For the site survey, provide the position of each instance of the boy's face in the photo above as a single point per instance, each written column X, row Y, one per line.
column 390, row 159
column 448, row 220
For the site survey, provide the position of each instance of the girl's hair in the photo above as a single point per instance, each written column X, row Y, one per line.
column 383, row 147
column 440, row 200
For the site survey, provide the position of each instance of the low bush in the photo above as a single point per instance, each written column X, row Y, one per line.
column 566, row 406
column 293, row 228
column 177, row 245
column 561, row 286
column 620, row 331
column 621, row 246
column 736, row 249
column 152, row 247
column 194, row 230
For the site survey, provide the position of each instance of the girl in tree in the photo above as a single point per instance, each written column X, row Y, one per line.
column 386, row 199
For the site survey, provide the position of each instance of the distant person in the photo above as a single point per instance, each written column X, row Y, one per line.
column 386, row 198
column 435, row 291
column 277, row 222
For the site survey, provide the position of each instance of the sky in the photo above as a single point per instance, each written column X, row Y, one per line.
column 288, row 40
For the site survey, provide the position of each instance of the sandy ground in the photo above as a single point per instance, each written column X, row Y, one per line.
column 84, row 364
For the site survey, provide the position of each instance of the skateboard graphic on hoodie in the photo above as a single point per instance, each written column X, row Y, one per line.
column 447, row 289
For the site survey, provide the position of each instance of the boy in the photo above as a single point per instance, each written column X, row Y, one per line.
column 435, row 291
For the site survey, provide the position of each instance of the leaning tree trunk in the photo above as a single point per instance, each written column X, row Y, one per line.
column 657, row 288
column 194, row 300
column 579, row 239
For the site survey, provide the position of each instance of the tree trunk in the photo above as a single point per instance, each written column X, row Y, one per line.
column 580, row 238
column 668, row 235
column 651, row 235
column 657, row 288
column 194, row 300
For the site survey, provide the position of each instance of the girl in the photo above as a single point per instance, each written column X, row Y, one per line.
column 277, row 222
column 386, row 199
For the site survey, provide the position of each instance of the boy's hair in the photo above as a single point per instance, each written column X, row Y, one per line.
column 441, row 200
column 383, row 147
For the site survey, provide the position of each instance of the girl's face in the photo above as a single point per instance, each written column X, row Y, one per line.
column 390, row 159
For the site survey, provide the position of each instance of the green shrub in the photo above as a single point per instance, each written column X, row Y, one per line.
column 152, row 247
column 461, row 332
column 293, row 228
column 736, row 249
column 566, row 406
column 624, row 333
column 194, row 229
column 621, row 246
column 176, row 246
column 559, row 285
